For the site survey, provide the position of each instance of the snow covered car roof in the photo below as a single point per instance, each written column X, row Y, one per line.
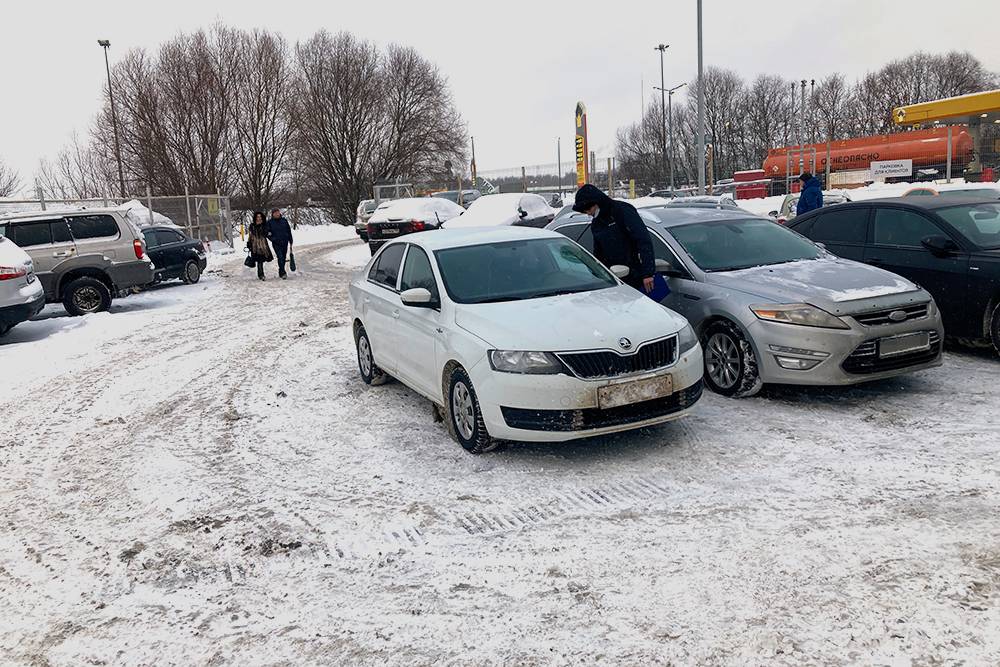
column 458, row 238
column 502, row 209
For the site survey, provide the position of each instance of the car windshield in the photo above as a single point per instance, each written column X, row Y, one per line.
column 728, row 245
column 517, row 270
column 980, row 223
column 989, row 193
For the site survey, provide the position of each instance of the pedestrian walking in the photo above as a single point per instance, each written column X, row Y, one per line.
column 260, row 250
column 280, row 233
column 620, row 236
column 811, row 196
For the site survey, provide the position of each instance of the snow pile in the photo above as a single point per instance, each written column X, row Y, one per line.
column 139, row 215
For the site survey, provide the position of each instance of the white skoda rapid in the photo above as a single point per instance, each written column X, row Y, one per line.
column 520, row 334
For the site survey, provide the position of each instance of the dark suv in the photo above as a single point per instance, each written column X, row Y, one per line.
column 82, row 258
column 948, row 245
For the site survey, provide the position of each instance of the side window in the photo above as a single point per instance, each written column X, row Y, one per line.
column 31, row 233
column 3, row 229
column 846, row 226
column 60, row 232
column 417, row 272
column 168, row 236
column 894, row 226
column 386, row 269
column 661, row 251
column 152, row 238
column 579, row 232
column 93, row 226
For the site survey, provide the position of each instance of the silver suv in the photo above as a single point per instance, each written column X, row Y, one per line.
column 82, row 258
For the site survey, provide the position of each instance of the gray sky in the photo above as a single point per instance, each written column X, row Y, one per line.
column 516, row 68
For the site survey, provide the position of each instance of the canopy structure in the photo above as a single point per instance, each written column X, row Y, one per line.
column 977, row 110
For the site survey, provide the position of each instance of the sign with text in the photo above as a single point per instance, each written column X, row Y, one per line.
column 581, row 145
column 891, row 168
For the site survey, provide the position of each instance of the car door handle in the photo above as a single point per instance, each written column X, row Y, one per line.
column 64, row 253
column 395, row 313
column 692, row 297
column 875, row 261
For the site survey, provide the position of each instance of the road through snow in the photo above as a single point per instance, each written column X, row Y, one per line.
column 206, row 480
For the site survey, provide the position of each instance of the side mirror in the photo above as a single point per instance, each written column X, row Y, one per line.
column 418, row 297
column 668, row 269
column 939, row 245
column 773, row 214
column 620, row 270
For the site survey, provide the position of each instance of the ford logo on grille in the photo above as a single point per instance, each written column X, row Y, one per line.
column 625, row 343
column 897, row 315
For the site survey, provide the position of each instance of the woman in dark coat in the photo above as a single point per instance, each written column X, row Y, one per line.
column 260, row 250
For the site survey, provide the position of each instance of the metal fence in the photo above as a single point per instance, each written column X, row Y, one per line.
column 204, row 217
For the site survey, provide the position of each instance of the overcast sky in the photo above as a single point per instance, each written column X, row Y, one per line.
column 516, row 68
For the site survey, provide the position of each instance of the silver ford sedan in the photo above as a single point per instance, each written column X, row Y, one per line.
column 771, row 306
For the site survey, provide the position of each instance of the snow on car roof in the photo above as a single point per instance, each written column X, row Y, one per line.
column 457, row 238
column 500, row 209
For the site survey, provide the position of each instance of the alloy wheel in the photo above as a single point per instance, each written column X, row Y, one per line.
column 723, row 360
column 365, row 356
column 87, row 299
column 463, row 411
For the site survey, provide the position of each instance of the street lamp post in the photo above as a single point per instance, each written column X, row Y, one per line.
column 701, row 109
column 663, row 103
column 104, row 44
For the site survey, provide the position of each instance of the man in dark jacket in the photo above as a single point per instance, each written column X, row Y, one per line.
column 280, row 233
column 620, row 236
column 811, row 196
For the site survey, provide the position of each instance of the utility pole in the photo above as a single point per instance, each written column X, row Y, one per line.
column 670, row 119
column 802, row 128
column 663, row 107
column 104, row 44
column 473, row 139
column 701, row 107
column 812, row 116
column 559, row 162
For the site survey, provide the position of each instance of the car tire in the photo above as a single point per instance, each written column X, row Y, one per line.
column 730, row 363
column 370, row 372
column 465, row 418
column 86, row 295
column 995, row 328
column 191, row 273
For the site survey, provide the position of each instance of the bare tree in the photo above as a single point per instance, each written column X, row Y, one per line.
column 259, row 68
column 10, row 181
column 830, row 102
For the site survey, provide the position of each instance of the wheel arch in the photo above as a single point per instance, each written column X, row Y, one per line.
column 83, row 272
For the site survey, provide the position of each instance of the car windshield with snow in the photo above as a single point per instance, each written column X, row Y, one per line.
column 771, row 306
column 519, row 334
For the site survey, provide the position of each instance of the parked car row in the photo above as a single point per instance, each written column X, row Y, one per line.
column 84, row 259
column 521, row 334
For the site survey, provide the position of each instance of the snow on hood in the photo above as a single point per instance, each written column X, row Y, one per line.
column 501, row 209
column 419, row 208
column 829, row 280
column 138, row 215
column 583, row 321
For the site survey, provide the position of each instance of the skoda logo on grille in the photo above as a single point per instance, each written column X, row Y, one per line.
column 897, row 315
column 625, row 343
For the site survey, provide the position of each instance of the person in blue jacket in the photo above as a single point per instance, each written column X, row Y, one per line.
column 620, row 236
column 811, row 196
column 280, row 233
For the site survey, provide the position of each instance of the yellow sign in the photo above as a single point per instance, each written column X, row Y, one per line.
column 582, row 175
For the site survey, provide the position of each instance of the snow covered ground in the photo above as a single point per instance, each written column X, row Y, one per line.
column 200, row 477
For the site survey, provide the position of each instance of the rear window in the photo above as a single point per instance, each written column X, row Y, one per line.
column 31, row 233
column 850, row 226
column 93, row 226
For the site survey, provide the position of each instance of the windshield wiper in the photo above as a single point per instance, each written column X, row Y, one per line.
column 500, row 299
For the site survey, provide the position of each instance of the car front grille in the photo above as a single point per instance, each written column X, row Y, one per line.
column 608, row 364
column 865, row 360
column 881, row 317
column 593, row 418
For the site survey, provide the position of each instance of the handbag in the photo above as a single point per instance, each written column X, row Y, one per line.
column 291, row 259
column 248, row 262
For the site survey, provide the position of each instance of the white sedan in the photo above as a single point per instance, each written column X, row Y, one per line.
column 520, row 334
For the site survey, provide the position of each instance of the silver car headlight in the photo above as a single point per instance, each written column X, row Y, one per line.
column 686, row 340
column 801, row 314
column 532, row 363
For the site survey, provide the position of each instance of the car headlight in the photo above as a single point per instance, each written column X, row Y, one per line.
column 533, row 363
column 686, row 340
column 801, row 314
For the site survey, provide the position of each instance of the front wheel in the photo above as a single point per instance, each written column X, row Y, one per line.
column 192, row 272
column 730, row 363
column 465, row 416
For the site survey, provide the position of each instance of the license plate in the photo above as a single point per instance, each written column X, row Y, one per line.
column 897, row 345
column 389, row 231
column 626, row 393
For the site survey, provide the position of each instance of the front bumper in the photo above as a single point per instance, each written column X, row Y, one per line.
column 556, row 408
column 34, row 301
column 839, row 367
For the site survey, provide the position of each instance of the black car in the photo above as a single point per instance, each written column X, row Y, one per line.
column 948, row 245
column 174, row 254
